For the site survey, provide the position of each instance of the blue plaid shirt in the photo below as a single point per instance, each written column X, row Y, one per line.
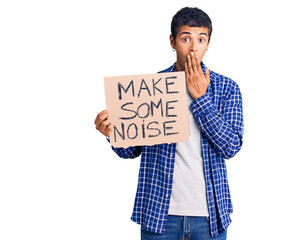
column 220, row 118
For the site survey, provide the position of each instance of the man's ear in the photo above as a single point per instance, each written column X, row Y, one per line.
column 172, row 41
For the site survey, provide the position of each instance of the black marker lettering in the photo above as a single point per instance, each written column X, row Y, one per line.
column 170, row 83
column 152, row 104
column 136, row 131
column 168, row 107
column 151, row 128
column 122, row 134
column 144, row 88
column 120, row 86
column 143, row 129
column 129, row 110
column 147, row 112
column 165, row 128
column 154, row 86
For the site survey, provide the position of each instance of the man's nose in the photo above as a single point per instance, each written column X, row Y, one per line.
column 193, row 48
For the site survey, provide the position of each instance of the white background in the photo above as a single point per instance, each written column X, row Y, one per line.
column 59, row 178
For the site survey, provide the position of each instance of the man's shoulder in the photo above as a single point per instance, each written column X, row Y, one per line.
column 222, row 81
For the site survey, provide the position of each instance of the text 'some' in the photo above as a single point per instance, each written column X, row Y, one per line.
column 147, row 109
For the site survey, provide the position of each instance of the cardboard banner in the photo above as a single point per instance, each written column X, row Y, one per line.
column 147, row 109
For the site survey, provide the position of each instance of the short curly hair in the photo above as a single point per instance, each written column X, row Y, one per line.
column 193, row 17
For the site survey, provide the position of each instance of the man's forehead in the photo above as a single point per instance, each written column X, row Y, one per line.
column 193, row 30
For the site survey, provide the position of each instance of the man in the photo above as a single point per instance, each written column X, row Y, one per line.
column 183, row 191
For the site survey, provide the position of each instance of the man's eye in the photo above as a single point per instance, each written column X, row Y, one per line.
column 202, row 40
column 185, row 39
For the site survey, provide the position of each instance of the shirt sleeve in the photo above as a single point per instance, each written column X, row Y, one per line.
column 223, row 129
column 130, row 152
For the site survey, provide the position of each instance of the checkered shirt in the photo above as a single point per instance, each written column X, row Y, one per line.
column 219, row 115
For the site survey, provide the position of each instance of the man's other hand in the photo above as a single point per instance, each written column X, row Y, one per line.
column 103, row 124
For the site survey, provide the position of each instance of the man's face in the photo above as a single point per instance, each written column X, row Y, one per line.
column 189, row 39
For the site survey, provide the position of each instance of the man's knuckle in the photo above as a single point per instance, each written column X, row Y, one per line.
column 104, row 124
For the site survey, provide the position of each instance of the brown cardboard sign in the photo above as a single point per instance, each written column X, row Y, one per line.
column 147, row 109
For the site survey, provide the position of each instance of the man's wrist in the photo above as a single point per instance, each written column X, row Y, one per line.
column 201, row 104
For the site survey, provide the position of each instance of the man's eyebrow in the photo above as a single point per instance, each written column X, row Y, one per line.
column 190, row 33
column 185, row 33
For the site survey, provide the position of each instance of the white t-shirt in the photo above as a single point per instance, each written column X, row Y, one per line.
column 188, row 196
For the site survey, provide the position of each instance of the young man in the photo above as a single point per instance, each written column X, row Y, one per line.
column 183, row 191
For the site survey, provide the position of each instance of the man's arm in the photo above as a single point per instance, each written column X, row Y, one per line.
column 130, row 152
column 224, row 131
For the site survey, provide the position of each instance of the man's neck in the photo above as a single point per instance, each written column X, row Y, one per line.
column 178, row 67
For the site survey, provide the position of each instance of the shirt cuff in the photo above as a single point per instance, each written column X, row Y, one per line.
column 201, row 105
